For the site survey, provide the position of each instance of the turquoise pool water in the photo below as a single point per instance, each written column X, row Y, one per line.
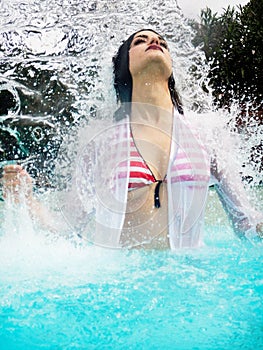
column 56, row 294
column 60, row 295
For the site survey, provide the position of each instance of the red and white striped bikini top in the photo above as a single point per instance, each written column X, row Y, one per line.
column 188, row 166
column 181, row 170
column 140, row 173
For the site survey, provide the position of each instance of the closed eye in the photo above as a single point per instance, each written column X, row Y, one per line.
column 139, row 41
column 143, row 39
column 164, row 44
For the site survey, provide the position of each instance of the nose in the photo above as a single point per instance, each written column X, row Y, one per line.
column 155, row 40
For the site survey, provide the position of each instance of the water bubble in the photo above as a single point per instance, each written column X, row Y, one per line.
column 37, row 134
column 9, row 98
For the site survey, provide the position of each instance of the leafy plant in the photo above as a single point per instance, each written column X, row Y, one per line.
column 233, row 47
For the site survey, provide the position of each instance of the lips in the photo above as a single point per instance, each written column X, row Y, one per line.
column 154, row 47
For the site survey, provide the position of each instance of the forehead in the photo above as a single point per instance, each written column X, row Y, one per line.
column 148, row 33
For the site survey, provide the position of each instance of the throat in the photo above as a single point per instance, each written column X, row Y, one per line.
column 152, row 93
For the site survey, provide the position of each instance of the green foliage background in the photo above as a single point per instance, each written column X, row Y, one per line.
column 233, row 45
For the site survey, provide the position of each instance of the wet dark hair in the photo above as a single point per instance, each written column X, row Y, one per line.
column 123, row 79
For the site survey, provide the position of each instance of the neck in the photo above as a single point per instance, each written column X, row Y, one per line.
column 151, row 97
column 152, row 92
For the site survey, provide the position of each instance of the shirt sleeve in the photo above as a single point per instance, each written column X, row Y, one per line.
column 234, row 198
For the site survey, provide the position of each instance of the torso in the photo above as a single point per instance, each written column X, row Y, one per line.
column 146, row 226
column 153, row 144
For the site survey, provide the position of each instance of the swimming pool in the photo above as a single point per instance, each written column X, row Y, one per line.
column 57, row 294
column 62, row 294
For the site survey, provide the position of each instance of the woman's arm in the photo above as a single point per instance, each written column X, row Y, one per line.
column 246, row 220
column 17, row 183
column 18, row 187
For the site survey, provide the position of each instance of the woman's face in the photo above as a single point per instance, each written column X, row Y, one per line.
column 149, row 51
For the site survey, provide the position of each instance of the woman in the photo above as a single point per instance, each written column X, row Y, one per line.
column 149, row 172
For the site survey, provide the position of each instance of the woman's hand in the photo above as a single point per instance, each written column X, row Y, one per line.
column 259, row 229
column 17, row 184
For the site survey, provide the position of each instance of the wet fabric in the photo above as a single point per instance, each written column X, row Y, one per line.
column 96, row 207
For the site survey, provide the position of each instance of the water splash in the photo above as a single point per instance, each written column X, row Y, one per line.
column 48, row 282
column 46, row 30
column 74, row 43
column 70, row 44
